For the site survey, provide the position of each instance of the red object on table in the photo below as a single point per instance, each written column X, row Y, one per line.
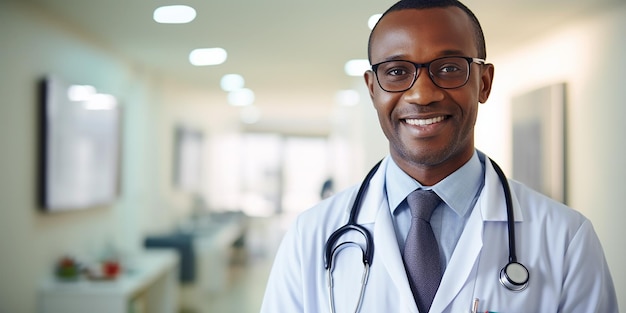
column 111, row 269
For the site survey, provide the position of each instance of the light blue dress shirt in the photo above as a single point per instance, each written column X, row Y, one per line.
column 458, row 192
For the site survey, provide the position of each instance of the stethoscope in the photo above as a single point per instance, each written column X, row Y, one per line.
column 514, row 275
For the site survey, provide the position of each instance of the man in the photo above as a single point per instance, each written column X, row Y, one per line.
column 428, row 77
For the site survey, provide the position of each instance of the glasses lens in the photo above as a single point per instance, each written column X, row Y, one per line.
column 395, row 75
column 449, row 72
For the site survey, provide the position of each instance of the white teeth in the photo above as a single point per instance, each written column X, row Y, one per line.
column 424, row 122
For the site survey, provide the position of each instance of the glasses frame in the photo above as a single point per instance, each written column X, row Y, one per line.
column 426, row 65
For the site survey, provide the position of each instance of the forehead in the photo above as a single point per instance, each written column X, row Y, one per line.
column 422, row 35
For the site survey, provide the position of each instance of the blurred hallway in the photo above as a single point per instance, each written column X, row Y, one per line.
column 249, row 269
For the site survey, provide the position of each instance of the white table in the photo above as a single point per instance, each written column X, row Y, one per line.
column 149, row 285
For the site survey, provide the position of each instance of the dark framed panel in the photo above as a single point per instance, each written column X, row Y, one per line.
column 80, row 134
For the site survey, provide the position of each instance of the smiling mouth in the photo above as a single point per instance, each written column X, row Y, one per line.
column 424, row 122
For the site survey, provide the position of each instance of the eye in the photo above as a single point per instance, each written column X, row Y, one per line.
column 396, row 70
column 449, row 68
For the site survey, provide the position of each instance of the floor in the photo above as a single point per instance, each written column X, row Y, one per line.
column 247, row 275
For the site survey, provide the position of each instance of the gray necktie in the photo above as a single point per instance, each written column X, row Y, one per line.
column 421, row 251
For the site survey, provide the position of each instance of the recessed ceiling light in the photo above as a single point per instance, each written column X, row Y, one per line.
column 174, row 14
column 231, row 82
column 356, row 67
column 207, row 56
column 371, row 22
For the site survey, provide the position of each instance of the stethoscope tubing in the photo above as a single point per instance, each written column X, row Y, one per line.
column 515, row 280
column 510, row 219
column 368, row 255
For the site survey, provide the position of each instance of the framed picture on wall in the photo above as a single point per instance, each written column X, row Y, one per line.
column 188, row 158
column 539, row 140
column 80, row 145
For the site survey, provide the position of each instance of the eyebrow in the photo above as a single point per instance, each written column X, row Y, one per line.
column 394, row 57
column 444, row 53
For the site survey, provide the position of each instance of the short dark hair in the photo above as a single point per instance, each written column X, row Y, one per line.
column 428, row 4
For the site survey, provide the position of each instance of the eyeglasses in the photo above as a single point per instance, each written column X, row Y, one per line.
column 446, row 73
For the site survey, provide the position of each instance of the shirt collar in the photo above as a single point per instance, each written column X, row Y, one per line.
column 457, row 190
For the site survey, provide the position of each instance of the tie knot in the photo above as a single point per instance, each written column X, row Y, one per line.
column 423, row 203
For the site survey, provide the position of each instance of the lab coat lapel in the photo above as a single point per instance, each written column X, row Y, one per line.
column 493, row 201
column 491, row 206
column 389, row 255
column 461, row 263
column 374, row 197
column 375, row 209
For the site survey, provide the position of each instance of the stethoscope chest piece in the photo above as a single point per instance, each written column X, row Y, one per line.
column 514, row 276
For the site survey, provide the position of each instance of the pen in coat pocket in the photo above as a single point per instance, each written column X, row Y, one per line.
column 475, row 307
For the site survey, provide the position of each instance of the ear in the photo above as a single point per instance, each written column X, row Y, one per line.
column 486, row 80
column 370, row 81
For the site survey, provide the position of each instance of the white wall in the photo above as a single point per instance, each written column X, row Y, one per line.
column 357, row 139
column 33, row 44
column 588, row 55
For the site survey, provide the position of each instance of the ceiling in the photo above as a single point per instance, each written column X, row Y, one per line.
column 294, row 46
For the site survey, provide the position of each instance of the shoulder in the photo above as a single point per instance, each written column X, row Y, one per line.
column 544, row 211
column 563, row 242
column 528, row 195
column 308, row 232
column 326, row 215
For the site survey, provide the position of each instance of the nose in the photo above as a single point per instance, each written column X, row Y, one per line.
column 424, row 91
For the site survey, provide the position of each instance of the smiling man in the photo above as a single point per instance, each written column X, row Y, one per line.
column 427, row 80
column 428, row 229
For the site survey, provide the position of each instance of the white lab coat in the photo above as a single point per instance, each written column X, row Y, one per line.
column 568, row 271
